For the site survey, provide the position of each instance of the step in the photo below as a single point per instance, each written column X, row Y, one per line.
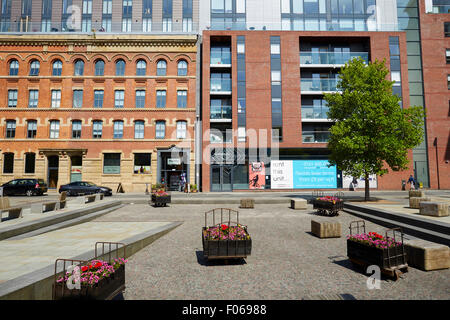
column 418, row 232
column 211, row 201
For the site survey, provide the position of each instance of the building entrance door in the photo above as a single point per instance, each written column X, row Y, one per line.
column 53, row 167
column 221, row 177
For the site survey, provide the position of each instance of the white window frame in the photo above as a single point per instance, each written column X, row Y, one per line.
column 56, row 98
column 54, row 129
column 181, row 129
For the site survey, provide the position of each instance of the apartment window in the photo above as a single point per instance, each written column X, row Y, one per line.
column 54, row 129
column 126, row 7
column 187, row 24
column 182, row 68
column 142, row 163
column 97, row 129
column 26, row 7
column 106, row 24
column 120, row 68
column 141, row 68
column 98, row 98
column 119, row 96
column 87, row 6
column 76, row 129
column 77, row 98
column 147, row 7
column 79, row 68
column 161, row 98
column 33, row 98
column 13, row 68
column 99, row 68
column 126, row 25
column 31, row 129
column 8, row 162
column 241, row 134
column 86, row 25
column 181, row 99
column 161, row 68
column 146, row 24
column 46, row 25
column 107, row 7
column 139, row 129
column 12, row 98
column 160, row 129
column 167, row 24
column 34, row 68
column 118, row 129
column 140, row 98
column 56, row 98
column 447, row 55
column 10, row 129
column 181, row 129
column 30, row 162
column 447, row 29
column 111, row 163
column 57, row 68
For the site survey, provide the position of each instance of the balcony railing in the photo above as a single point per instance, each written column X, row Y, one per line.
column 221, row 112
column 318, row 85
column 331, row 57
column 311, row 112
column 220, row 85
column 221, row 58
column 315, row 136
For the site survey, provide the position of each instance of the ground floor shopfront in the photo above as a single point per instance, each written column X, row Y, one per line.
column 135, row 171
column 288, row 169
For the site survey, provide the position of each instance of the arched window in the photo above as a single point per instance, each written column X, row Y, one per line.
column 120, row 68
column 161, row 68
column 34, row 68
column 13, row 67
column 99, row 68
column 182, row 68
column 57, row 68
column 141, row 67
column 79, row 68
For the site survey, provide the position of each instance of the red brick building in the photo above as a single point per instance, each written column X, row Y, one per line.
column 101, row 108
column 435, row 37
column 261, row 81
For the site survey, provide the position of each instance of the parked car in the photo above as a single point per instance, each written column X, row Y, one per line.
column 29, row 187
column 84, row 187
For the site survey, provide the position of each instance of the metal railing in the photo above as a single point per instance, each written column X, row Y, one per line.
column 331, row 57
column 319, row 84
column 315, row 136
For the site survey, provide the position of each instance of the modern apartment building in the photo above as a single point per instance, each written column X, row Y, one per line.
column 103, row 108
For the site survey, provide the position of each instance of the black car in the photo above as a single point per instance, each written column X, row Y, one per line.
column 29, row 187
column 84, row 187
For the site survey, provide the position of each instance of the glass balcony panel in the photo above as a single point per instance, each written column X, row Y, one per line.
column 221, row 112
column 220, row 85
column 331, row 57
column 220, row 57
column 441, row 8
column 315, row 136
column 318, row 84
column 311, row 112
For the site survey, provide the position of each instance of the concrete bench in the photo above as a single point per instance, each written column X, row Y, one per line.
column 13, row 212
column 414, row 202
column 299, row 204
column 85, row 199
column 43, row 207
column 248, row 203
column 62, row 200
column 324, row 229
column 416, row 193
column 427, row 255
column 435, row 209
column 99, row 196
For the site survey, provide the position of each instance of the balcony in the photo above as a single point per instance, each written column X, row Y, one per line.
column 329, row 59
column 315, row 136
column 220, row 59
column 220, row 86
column 314, row 114
column 318, row 86
column 440, row 8
column 221, row 113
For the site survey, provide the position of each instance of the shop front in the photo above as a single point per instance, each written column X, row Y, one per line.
column 172, row 164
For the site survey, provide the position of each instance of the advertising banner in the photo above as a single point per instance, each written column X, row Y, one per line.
column 361, row 183
column 257, row 175
column 281, row 174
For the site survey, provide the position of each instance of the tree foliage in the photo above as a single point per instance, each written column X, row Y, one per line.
column 371, row 128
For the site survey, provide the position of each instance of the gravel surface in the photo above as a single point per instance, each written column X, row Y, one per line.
column 287, row 261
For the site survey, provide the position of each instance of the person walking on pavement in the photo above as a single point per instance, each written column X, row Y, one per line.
column 412, row 182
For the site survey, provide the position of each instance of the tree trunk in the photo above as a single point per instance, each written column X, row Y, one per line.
column 367, row 189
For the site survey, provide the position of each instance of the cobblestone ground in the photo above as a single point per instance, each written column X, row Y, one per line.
column 287, row 261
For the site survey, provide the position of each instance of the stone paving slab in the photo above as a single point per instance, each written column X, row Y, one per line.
column 287, row 262
column 19, row 257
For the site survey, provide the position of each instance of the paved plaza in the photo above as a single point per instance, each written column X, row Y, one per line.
column 287, row 261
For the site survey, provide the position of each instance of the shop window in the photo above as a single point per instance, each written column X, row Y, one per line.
column 8, row 162
column 30, row 162
column 142, row 163
column 111, row 163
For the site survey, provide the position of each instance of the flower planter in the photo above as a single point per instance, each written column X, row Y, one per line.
column 330, row 207
column 384, row 258
column 225, row 241
column 160, row 201
column 105, row 289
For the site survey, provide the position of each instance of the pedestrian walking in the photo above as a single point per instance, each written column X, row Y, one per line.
column 355, row 183
column 412, row 182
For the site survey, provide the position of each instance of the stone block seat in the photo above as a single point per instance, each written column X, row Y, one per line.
column 416, row 193
column 299, row 204
column 426, row 255
column 414, row 202
column 435, row 209
column 248, row 203
column 323, row 229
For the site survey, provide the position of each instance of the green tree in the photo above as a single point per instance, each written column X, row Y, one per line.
column 371, row 129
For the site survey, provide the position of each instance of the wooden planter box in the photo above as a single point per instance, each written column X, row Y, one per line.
column 324, row 206
column 384, row 258
column 160, row 201
column 226, row 249
column 105, row 289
